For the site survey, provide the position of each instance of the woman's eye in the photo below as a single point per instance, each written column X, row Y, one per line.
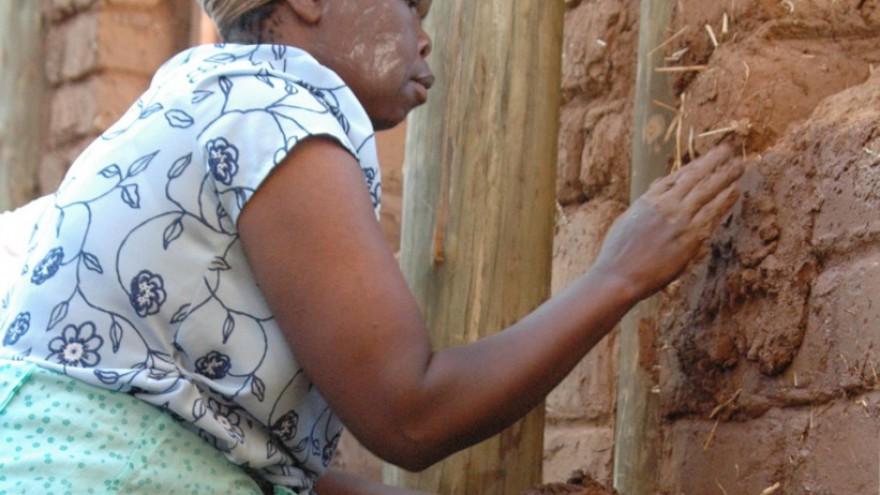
column 420, row 7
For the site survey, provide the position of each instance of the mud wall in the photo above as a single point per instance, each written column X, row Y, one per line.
column 767, row 367
column 599, row 68
column 766, row 361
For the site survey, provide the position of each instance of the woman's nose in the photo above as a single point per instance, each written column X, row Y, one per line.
column 425, row 43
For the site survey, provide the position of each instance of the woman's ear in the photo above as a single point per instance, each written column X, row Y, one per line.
column 309, row 11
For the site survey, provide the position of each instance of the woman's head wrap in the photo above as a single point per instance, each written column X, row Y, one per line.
column 222, row 12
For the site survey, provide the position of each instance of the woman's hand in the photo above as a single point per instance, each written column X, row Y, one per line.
column 666, row 229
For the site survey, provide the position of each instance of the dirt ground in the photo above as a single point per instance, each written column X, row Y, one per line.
column 578, row 484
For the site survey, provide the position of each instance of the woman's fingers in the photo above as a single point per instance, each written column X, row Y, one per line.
column 696, row 172
column 668, row 226
column 708, row 217
column 711, row 186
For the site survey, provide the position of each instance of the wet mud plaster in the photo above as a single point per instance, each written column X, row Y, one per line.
column 747, row 305
column 777, row 325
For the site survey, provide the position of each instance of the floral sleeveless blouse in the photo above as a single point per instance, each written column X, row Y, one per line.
column 135, row 279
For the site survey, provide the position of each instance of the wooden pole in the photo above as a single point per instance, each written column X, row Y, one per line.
column 21, row 95
column 479, row 202
column 636, row 444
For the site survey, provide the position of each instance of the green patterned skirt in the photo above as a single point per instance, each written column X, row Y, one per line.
column 61, row 436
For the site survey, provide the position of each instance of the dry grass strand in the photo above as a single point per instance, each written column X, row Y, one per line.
column 770, row 490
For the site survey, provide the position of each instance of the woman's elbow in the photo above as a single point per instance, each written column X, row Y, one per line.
column 412, row 462
column 412, row 452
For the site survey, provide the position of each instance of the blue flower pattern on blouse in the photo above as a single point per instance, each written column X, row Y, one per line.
column 135, row 278
column 78, row 345
column 285, row 428
column 147, row 293
column 222, row 160
column 227, row 418
column 213, row 365
column 20, row 325
column 48, row 266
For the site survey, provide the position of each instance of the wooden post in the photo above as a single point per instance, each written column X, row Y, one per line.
column 636, row 443
column 479, row 203
column 21, row 98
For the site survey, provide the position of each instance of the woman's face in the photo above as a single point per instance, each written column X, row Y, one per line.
column 378, row 47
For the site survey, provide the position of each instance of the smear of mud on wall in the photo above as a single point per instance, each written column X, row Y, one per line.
column 733, row 327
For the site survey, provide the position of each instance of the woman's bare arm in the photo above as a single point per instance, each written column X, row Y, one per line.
column 337, row 292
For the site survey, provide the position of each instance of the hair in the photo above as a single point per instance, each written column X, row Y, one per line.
column 251, row 27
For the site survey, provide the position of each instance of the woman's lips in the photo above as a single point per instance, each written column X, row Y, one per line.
column 422, row 84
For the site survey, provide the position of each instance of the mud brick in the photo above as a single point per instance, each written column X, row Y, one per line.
column 73, row 108
column 54, row 164
column 60, row 9
column 806, row 449
column 850, row 186
column 71, row 50
column 571, row 146
column 87, row 108
column 841, row 348
column 589, row 391
column 593, row 67
column 839, row 451
column 606, row 155
column 116, row 93
column 133, row 40
column 568, row 449
column 740, row 457
column 579, row 235
column 130, row 40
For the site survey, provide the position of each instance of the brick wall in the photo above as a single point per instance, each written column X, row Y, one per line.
column 600, row 43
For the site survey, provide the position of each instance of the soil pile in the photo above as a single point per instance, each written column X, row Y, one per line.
column 579, row 484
